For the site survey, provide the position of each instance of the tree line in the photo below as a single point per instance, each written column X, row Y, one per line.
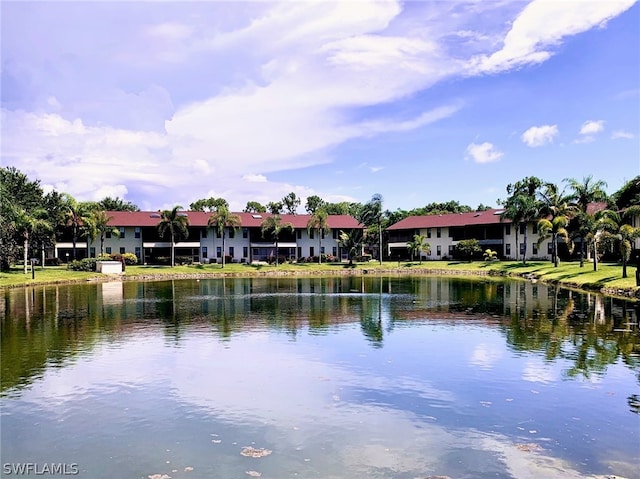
column 30, row 220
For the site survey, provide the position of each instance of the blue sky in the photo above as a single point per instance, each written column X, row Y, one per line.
column 164, row 103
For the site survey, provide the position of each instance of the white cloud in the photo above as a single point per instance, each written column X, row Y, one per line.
column 255, row 178
column 540, row 135
column 622, row 134
column 484, row 152
column 375, row 169
column 591, row 127
column 541, row 25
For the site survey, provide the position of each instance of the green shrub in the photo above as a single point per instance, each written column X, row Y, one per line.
column 184, row 260
column 86, row 264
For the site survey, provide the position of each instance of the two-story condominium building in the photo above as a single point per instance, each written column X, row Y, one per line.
column 444, row 232
column 244, row 244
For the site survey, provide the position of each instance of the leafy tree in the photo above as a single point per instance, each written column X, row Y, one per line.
column 418, row 246
column 628, row 195
column 351, row 241
column 482, row 207
column 22, row 192
column 314, row 203
column 371, row 215
column 318, row 221
column 584, row 192
column 275, row 207
column 254, row 207
column 117, row 204
column 594, row 226
column 441, row 209
column 468, row 248
column 623, row 234
column 208, row 204
column 98, row 226
column 343, row 208
column 554, row 228
column 221, row 219
column 291, row 203
column 176, row 224
column 274, row 226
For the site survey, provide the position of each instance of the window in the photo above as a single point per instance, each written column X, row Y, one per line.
column 92, row 252
column 334, row 232
column 219, row 252
column 204, row 233
column 507, row 249
column 245, row 233
column 535, row 248
column 523, row 249
column 136, row 232
column 122, row 250
column 322, row 250
column 231, row 251
column 335, row 251
column 439, row 250
column 451, row 249
column 311, row 235
column 507, row 230
column 138, row 253
column 108, row 249
column 439, row 232
column 549, row 248
column 299, row 251
column 311, row 250
column 535, row 228
column 245, row 251
column 122, row 232
column 232, row 233
column 107, row 234
column 322, row 234
column 218, row 234
column 523, row 228
column 428, row 232
column 205, row 252
column 299, row 234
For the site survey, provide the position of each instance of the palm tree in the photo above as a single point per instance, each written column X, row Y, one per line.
column 176, row 223
column 585, row 192
column 98, row 226
column 27, row 224
column 275, row 225
column 76, row 214
column 418, row 246
column 555, row 228
column 593, row 228
column 318, row 221
column 623, row 234
column 352, row 242
column 371, row 214
column 221, row 219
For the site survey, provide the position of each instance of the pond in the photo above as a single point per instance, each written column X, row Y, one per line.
column 341, row 377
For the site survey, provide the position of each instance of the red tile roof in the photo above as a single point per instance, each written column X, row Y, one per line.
column 491, row 216
column 250, row 220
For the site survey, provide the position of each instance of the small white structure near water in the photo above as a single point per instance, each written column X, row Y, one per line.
column 109, row 267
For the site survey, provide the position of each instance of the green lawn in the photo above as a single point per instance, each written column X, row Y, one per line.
column 608, row 275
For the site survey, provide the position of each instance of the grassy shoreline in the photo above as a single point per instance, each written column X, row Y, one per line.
column 608, row 279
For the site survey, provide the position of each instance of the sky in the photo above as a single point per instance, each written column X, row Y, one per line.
column 164, row 103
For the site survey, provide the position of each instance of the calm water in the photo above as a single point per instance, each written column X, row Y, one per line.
column 337, row 378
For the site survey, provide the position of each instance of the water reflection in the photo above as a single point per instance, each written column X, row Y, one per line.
column 341, row 377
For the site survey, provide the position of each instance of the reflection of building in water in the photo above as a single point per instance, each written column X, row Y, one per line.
column 112, row 292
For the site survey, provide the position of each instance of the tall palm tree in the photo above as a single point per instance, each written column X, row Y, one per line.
column 623, row 234
column 98, row 226
column 584, row 193
column 274, row 225
column 594, row 227
column 76, row 214
column 318, row 221
column 176, row 223
column 370, row 215
column 220, row 220
column 556, row 205
column 418, row 245
column 28, row 223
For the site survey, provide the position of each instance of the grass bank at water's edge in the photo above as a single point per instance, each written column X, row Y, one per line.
column 608, row 279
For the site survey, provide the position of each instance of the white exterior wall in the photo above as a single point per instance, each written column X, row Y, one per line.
column 129, row 242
